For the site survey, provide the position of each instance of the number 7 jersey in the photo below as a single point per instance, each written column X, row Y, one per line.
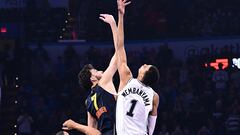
column 101, row 105
column 134, row 103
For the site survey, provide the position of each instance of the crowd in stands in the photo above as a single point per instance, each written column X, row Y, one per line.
column 152, row 19
column 169, row 19
column 194, row 100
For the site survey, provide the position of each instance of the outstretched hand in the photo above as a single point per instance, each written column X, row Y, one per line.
column 107, row 18
column 122, row 4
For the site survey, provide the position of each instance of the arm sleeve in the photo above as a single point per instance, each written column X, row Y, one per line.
column 151, row 123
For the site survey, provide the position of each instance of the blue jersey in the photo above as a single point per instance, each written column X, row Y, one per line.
column 101, row 105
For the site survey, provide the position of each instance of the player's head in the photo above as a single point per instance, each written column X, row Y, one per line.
column 89, row 76
column 149, row 74
column 62, row 133
column 220, row 66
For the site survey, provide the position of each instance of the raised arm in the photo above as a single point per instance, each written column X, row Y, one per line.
column 123, row 69
column 106, row 80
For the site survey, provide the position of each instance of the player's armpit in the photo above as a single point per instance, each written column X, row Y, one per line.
column 125, row 75
column 106, row 81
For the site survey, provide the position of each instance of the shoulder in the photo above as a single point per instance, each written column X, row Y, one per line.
column 96, row 90
column 89, row 98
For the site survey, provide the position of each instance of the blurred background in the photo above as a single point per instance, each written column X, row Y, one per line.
column 194, row 43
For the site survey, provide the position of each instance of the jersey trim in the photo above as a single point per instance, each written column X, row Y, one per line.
column 143, row 84
column 129, row 80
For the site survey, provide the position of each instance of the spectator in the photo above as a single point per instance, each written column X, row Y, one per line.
column 218, row 116
column 163, row 130
column 235, row 77
column 233, row 123
column 204, row 131
column 178, row 131
column 220, row 78
column 25, row 122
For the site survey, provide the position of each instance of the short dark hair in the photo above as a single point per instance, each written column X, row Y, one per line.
column 84, row 77
column 151, row 77
column 60, row 133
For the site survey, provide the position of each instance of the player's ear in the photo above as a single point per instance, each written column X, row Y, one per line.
column 93, row 78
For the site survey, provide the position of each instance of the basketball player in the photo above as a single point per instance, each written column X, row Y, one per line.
column 101, row 102
column 137, row 103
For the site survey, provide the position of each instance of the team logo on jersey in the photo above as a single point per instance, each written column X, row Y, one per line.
column 101, row 111
column 138, row 92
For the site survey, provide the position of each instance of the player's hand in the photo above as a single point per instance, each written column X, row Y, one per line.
column 122, row 4
column 107, row 18
column 69, row 125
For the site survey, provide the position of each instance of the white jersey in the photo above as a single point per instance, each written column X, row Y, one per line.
column 134, row 103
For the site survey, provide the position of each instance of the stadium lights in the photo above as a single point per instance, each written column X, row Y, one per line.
column 3, row 30
column 236, row 62
column 218, row 61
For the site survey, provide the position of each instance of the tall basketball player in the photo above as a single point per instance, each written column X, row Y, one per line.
column 137, row 103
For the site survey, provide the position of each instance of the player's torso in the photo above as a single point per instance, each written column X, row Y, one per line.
column 133, row 106
column 101, row 105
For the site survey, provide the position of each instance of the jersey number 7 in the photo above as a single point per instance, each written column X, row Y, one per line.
column 94, row 99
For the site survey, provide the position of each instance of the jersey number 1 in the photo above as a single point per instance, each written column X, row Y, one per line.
column 130, row 112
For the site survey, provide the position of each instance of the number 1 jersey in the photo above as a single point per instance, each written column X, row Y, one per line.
column 134, row 104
